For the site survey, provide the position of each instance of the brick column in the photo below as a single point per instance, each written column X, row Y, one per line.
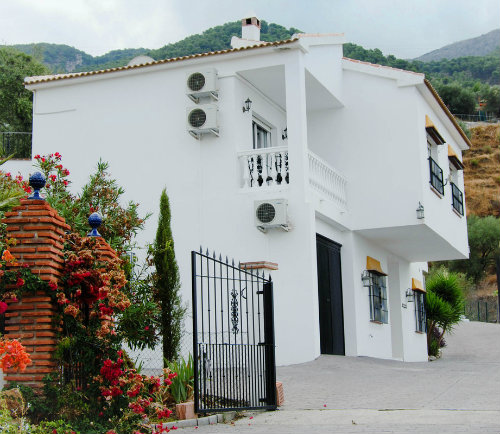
column 39, row 232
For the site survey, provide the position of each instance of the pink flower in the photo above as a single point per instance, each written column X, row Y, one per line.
column 3, row 307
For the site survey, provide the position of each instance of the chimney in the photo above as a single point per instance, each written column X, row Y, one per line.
column 250, row 29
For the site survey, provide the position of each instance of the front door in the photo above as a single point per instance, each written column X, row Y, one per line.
column 331, row 315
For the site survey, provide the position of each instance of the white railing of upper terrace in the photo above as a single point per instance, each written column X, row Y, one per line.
column 327, row 181
column 268, row 167
column 265, row 168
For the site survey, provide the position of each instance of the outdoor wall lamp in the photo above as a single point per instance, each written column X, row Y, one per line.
column 420, row 211
column 285, row 134
column 410, row 295
column 247, row 106
column 366, row 278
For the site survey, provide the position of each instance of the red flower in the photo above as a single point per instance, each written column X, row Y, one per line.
column 53, row 286
column 20, row 282
column 37, row 157
column 3, row 307
column 54, row 431
column 146, row 328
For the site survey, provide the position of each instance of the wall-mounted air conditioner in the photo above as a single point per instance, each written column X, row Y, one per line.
column 202, row 83
column 271, row 214
column 202, row 119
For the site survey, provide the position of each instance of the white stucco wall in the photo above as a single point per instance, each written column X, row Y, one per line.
column 372, row 132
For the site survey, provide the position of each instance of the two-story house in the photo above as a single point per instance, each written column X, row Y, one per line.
column 346, row 174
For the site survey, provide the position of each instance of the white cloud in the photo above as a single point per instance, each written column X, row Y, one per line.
column 406, row 28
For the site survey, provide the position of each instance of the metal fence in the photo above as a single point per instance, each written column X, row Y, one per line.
column 15, row 143
column 481, row 117
column 481, row 310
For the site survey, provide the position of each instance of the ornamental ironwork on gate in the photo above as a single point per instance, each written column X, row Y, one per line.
column 233, row 336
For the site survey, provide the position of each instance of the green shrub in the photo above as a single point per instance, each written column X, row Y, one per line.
column 183, row 384
column 474, row 162
column 444, row 303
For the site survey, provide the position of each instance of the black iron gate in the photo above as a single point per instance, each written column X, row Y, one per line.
column 233, row 336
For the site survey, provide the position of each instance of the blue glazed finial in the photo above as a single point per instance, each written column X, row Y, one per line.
column 37, row 182
column 95, row 220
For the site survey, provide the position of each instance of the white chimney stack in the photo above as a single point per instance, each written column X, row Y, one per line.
column 250, row 34
column 250, row 29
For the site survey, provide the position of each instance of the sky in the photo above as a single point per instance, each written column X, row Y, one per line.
column 405, row 28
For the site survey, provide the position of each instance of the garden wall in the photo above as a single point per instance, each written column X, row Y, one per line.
column 39, row 232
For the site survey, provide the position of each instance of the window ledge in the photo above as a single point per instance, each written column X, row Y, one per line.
column 377, row 322
column 456, row 212
column 419, row 333
column 437, row 193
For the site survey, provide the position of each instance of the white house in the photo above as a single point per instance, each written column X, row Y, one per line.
column 360, row 162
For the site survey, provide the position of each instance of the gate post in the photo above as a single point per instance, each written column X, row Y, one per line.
column 270, row 343
column 195, row 332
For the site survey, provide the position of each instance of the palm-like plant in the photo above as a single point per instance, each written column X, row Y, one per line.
column 444, row 303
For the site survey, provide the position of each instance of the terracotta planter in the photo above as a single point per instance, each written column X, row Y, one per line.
column 185, row 410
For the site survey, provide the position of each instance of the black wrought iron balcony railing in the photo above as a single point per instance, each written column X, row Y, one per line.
column 457, row 199
column 436, row 176
column 15, row 143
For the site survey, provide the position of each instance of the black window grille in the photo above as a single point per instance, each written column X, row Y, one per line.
column 378, row 299
column 457, row 199
column 2, row 324
column 436, row 176
column 420, row 317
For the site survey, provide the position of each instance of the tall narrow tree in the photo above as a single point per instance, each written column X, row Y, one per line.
column 167, row 283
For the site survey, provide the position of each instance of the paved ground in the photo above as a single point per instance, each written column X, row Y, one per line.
column 459, row 393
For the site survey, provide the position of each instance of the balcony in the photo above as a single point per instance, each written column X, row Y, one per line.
column 268, row 168
column 327, row 181
column 436, row 180
column 265, row 168
column 457, row 199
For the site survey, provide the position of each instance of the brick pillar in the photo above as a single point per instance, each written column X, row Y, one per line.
column 39, row 232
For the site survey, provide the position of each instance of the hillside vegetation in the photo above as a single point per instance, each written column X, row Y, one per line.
column 63, row 58
column 482, row 171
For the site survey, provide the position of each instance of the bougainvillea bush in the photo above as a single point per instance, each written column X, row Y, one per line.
column 96, row 388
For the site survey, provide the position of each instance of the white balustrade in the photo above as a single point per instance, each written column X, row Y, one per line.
column 265, row 167
column 327, row 181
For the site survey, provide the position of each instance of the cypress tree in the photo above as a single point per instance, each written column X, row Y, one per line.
column 168, row 283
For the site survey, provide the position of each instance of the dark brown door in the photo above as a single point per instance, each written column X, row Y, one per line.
column 331, row 314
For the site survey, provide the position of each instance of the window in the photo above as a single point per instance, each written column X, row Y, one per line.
column 457, row 199
column 261, row 135
column 436, row 180
column 378, row 298
column 420, row 311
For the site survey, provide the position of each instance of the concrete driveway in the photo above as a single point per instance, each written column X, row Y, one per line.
column 459, row 393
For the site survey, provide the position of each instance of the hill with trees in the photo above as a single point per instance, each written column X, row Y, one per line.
column 63, row 58
column 479, row 46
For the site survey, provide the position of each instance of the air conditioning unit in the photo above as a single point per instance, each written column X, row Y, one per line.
column 202, row 119
column 271, row 214
column 202, row 84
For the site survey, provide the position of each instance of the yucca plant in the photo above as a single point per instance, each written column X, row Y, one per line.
column 444, row 303
column 183, row 384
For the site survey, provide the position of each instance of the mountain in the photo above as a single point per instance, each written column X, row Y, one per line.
column 480, row 46
column 63, row 58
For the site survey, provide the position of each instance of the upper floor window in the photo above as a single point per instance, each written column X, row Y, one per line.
column 436, row 179
column 261, row 135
